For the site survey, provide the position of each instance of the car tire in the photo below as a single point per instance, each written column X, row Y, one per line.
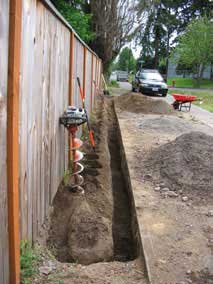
column 164, row 95
column 133, row 89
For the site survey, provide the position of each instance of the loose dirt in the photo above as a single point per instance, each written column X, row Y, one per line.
column 184, row 164
column 138, row 103
column 170, row 164
column 97, row 227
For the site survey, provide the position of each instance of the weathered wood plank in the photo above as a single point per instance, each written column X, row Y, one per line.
column 88, row 82
column 4, row 249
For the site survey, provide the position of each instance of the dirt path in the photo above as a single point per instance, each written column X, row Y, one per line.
column 176, row 230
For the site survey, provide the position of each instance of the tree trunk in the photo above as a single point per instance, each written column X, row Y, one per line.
column 200, row 70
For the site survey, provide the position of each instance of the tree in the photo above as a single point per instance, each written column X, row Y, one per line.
column 195, row 48
column 126, row 61
column 165, row 20
column 113, row 24
column 77, row 15
column 106, row 25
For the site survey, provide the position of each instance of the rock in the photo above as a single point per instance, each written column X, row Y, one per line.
column 51, row 264
column 157, row 188
column 148, row 176
column 46, row 270
column 165, row 189
column 171, row 193
column 185, row 198
column 210, row 213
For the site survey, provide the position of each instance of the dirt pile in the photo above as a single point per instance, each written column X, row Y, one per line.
column 184, row 164
column 139, row 103
column 90, row 236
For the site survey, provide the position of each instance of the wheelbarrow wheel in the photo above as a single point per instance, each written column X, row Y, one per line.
column 176, row 105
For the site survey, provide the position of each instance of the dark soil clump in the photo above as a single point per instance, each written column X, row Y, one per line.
column 184, row 164
column 139, row 103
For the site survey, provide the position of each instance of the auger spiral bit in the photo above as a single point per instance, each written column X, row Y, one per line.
column 72, row 119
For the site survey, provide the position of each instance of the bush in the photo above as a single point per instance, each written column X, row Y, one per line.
column 113, row 83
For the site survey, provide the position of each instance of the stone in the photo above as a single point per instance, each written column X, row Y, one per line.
column 185, row 198
column 165, row 189
column 171, row 193
column 148, row 176
column 157, row 188
column 210, row 213
column 46, row 270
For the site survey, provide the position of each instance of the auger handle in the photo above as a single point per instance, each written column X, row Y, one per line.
column 91, row 137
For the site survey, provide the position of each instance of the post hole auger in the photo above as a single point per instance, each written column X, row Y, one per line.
column 72, row 118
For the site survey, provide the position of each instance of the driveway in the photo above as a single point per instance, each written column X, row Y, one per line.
column 125, row 85
column 197, row 112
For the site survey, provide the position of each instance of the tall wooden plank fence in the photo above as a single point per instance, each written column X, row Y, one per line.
column 52, row 56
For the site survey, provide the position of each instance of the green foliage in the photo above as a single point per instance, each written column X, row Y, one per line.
column 76, row 17
column 189, row 82
column 165, row 20
column 195, row 48
column 28, row 259
column 114, row 84
column 126, row 61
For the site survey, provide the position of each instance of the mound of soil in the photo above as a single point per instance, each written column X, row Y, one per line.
column 89, row 237
column 138, row 103
column 185, row 163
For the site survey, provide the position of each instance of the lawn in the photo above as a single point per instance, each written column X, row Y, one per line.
column 189, row 83
column 205, row 98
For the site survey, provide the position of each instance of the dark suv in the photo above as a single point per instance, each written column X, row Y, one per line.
column 149, row 81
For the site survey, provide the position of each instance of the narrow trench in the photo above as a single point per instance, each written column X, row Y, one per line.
column 124, row 247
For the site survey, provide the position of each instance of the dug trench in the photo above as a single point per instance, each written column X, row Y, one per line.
column 100, row 226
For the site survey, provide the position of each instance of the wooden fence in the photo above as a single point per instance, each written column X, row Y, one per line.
column 41, row 84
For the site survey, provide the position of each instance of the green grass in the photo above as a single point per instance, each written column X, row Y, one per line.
column 113, row 84
column 29, row 260
column 189, row 83
column 205, row 98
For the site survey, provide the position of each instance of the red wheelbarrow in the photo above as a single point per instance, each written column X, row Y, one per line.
column 183, row 101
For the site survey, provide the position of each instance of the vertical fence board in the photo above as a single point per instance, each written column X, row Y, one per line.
column 78, row 71
column 88, row 81
column 4, row 29
column 94, row 79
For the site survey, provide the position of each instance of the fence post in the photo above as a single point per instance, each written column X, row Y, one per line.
column 92, row 86
column 70, row 99
column 13, row 138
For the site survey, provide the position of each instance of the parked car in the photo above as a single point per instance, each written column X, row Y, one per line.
column 122, row 76
column 113, row 76
column 148, row 81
